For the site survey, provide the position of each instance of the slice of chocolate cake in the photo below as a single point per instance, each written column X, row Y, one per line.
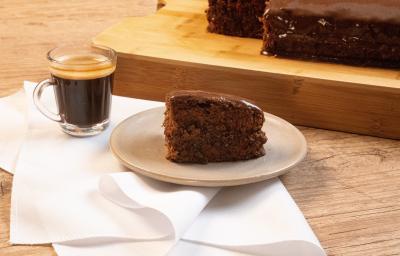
column 362, row 32
column 202, row 127
column 236, row 17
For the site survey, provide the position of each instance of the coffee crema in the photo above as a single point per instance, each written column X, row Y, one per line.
column 83, row 87
column 82, row 66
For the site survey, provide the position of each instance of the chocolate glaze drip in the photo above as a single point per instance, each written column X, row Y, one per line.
column 379, row 10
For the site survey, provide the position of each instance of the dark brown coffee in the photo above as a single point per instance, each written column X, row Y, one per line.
column 83, row 92
column 84, row 102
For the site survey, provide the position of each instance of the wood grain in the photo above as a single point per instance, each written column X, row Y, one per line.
column 31, row 28
column 172, row 49
column 28, row 29
column 348, row 188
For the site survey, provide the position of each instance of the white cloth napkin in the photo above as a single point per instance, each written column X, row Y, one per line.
column 258, row 219
column 70, row 191
column 13, row 128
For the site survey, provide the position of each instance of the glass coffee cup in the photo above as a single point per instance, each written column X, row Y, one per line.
column 82, row 78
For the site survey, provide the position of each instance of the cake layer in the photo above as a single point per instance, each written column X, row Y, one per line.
column 193, row 146
column 236, row 17
column 329, row 38
column 219, row 112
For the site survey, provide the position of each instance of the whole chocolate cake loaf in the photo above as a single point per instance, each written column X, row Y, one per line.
column 236, row 17
column 361, row 32
column 202, row 127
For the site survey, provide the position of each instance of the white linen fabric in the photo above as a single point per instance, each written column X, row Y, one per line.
column 13, row 128
column 71, row 192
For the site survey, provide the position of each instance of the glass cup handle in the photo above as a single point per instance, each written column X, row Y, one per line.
column 37, row 95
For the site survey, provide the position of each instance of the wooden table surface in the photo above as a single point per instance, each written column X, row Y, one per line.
column 348, row 187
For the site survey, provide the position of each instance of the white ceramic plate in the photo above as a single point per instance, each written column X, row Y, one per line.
column 138, row 142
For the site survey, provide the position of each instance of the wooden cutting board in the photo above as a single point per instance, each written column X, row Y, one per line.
column 172, row 50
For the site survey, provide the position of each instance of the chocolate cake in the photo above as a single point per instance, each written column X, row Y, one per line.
column 362, row 32
column 202, row 127
column 236, row 17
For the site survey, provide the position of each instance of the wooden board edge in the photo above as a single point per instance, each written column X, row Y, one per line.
column 348, row 107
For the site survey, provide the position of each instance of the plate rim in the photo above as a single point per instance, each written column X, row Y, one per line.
column 204, row 182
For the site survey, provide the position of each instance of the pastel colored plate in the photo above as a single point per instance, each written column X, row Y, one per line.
column 138, row 143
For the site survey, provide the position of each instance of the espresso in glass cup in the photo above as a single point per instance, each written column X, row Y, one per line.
column 82, row 78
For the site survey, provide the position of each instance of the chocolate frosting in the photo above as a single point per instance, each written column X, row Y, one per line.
column 380, row 10
column 213, row 96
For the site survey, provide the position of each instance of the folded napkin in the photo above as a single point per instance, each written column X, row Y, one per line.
column 71, row 192
column 13, row 128
column 258, row 219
